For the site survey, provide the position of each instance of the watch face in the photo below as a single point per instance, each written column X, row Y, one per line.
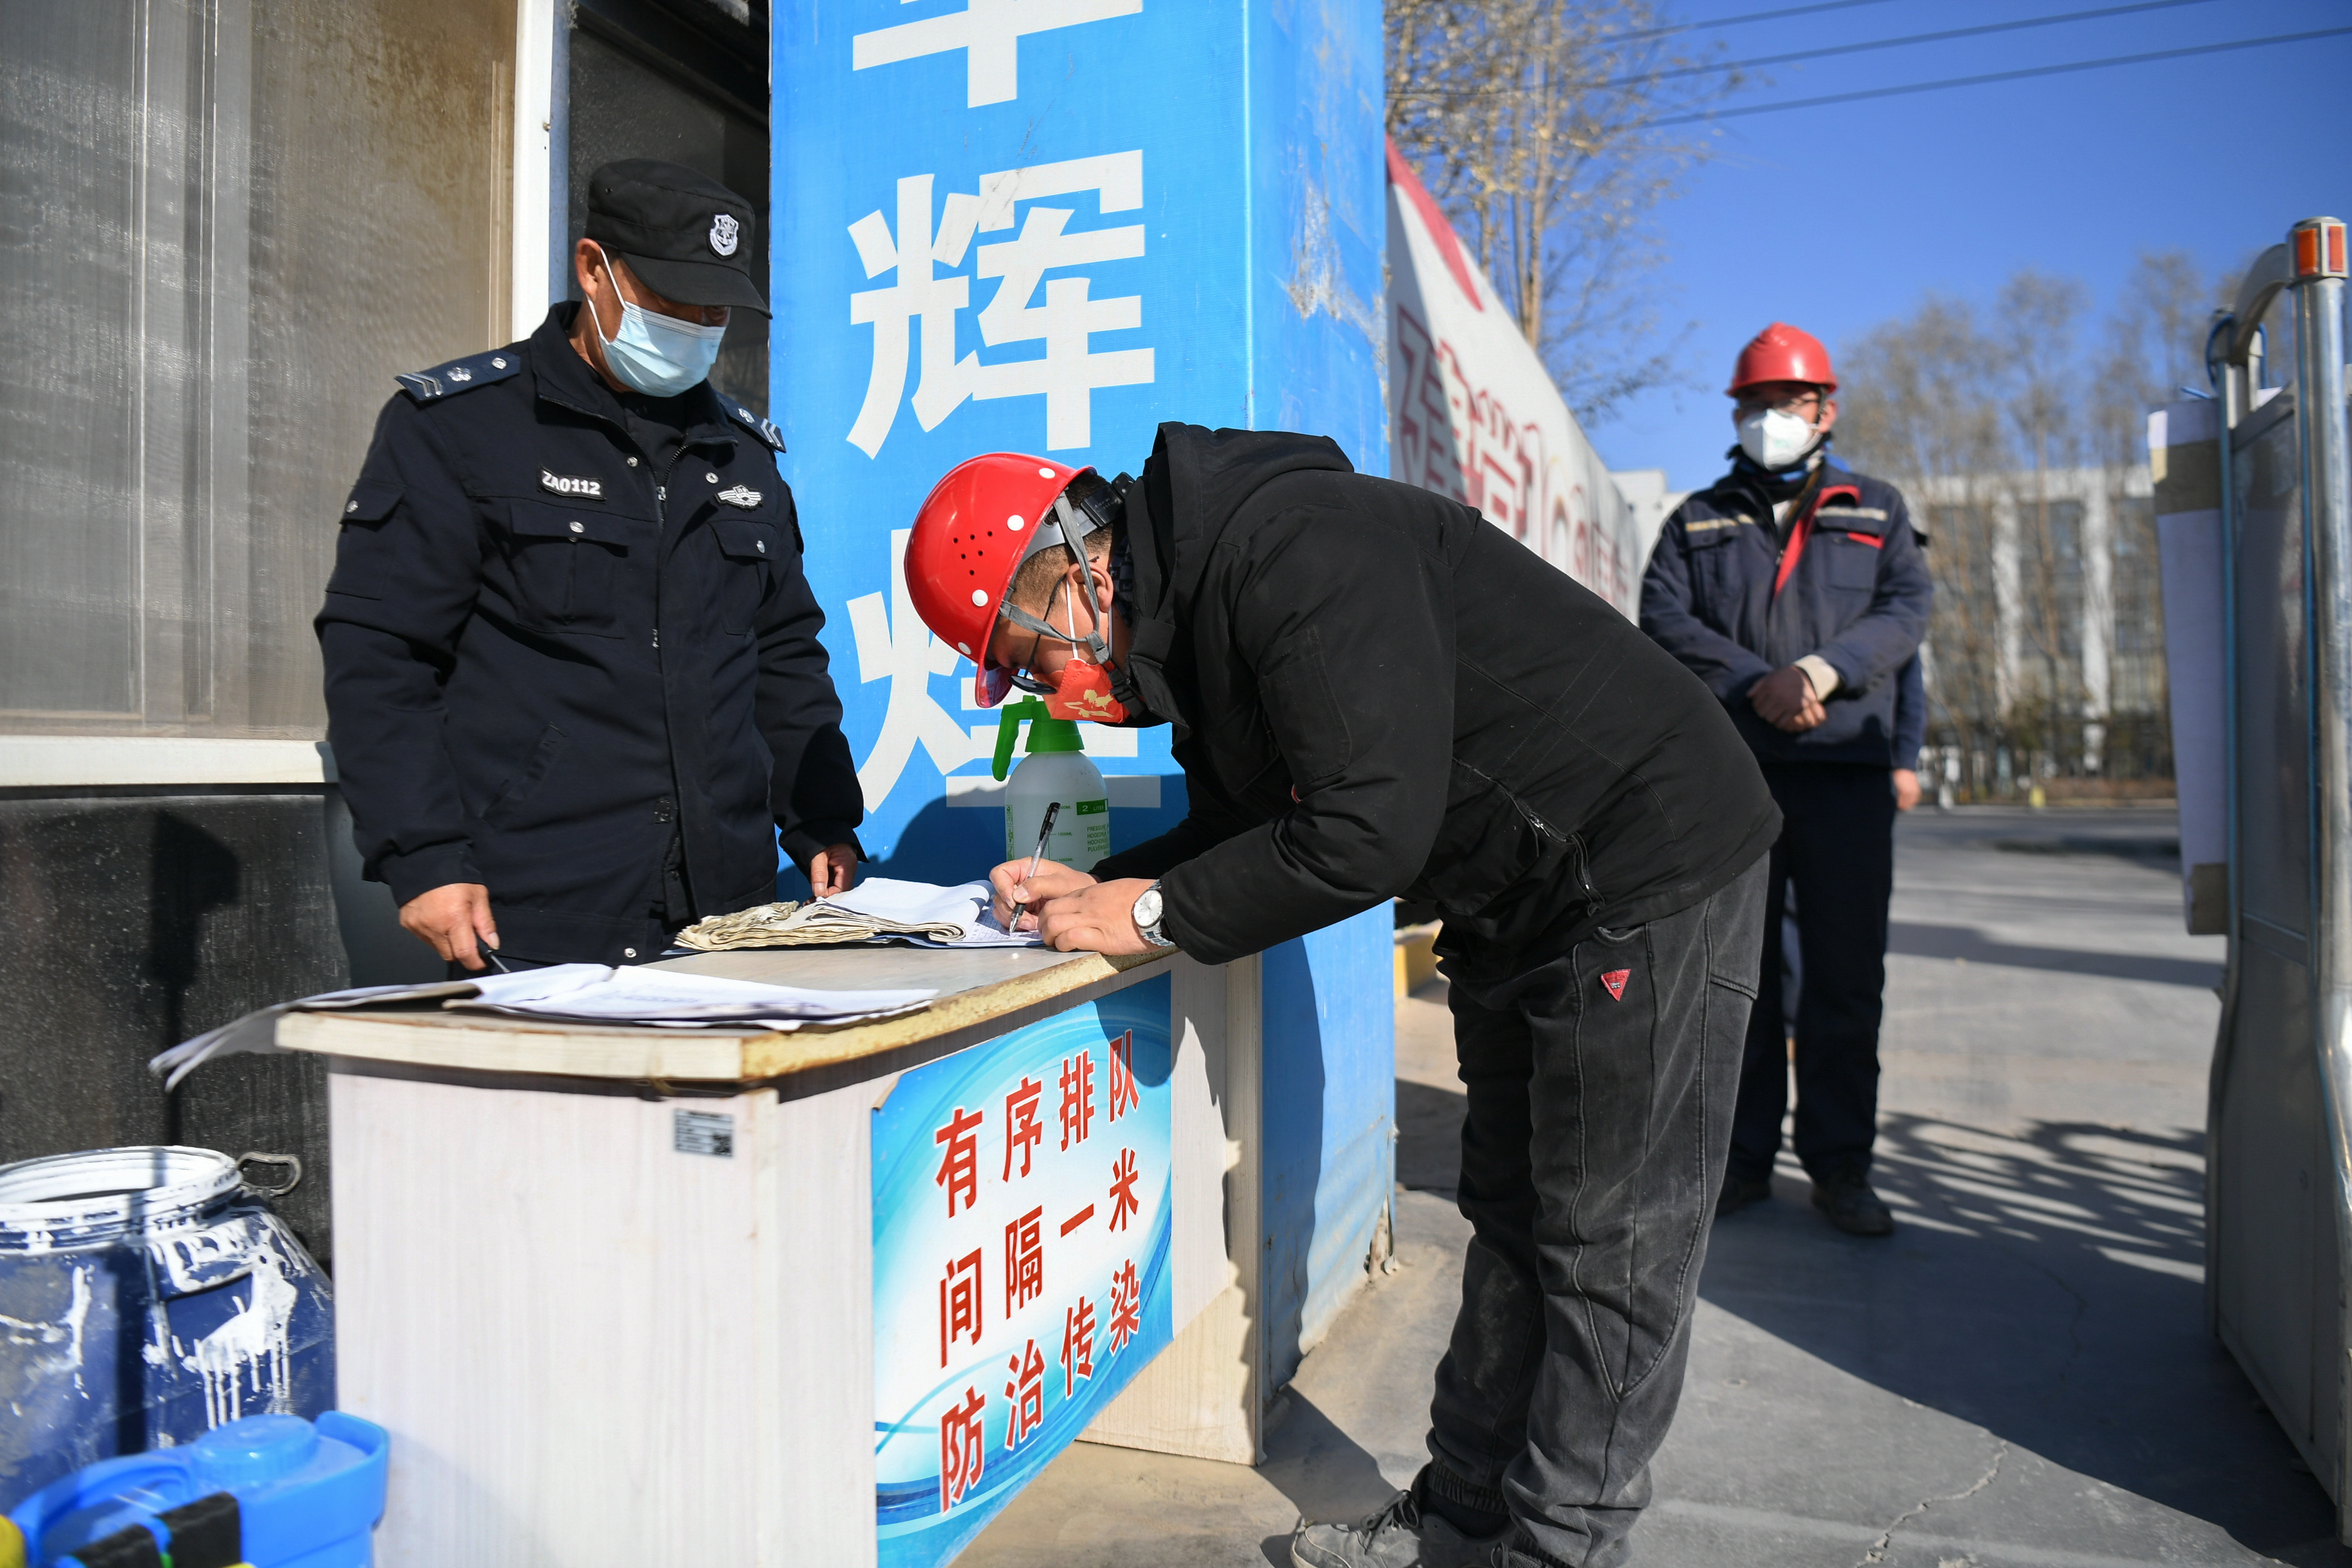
column 1147, row 908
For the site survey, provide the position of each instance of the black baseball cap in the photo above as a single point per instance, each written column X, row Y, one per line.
column 688, row 237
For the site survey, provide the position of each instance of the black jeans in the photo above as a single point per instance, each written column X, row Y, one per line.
column 1600, row 1087
column 1837, row 845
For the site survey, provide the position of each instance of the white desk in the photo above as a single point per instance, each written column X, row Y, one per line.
column 596, row 1339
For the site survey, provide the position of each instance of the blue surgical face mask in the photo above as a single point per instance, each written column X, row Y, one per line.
column 659, row 355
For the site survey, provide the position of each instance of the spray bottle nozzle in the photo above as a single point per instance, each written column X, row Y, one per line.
column 1008, row 729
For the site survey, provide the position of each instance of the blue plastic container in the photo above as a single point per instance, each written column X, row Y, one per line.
column 146, row 1296
column 308, row 1496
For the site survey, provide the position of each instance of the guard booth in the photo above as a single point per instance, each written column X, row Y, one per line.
column 2257, row 542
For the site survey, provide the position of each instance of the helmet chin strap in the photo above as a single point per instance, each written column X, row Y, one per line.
column 1096, row 643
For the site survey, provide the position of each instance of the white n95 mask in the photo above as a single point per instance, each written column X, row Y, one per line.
column 1775, row 440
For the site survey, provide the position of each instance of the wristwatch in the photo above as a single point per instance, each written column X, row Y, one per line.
column 1147, row 917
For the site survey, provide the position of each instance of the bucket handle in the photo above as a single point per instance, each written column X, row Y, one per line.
column 293, row 1163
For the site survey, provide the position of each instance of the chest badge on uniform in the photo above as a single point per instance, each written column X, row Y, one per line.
column 578, row 487
column 739, row 496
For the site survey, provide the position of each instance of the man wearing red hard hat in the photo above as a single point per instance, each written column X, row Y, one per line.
column 1796, row 589
column 1373, row 693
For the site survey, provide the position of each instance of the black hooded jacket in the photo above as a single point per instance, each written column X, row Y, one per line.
column 1376, row 693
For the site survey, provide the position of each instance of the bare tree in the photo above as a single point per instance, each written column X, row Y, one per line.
column 1975, row 415
column 1537, row 126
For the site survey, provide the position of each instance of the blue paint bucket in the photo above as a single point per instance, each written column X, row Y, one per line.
column 270, row 1491
column 146, row 1296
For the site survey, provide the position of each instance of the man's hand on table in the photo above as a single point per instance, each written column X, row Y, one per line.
column 1016, row 899
column 454, row 920
column 1071, row 910
column 1785, row 700
column 832, row 869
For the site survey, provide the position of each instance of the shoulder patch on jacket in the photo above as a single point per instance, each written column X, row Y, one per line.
column 461, row 374
column 754, row 424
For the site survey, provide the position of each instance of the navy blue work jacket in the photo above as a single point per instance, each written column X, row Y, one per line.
column 544, row 658
column 1858, row 594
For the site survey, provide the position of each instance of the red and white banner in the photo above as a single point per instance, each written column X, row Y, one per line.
column 1473, row 414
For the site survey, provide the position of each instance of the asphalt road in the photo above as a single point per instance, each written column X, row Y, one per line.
column 2020, row 1376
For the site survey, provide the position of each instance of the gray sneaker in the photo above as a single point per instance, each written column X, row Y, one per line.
column 1399, row 1536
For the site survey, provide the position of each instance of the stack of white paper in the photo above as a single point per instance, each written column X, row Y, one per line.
column 574, row 993
column 877, row 909
column 591, row 993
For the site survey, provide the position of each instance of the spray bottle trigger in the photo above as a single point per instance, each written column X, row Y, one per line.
column 1008, row 729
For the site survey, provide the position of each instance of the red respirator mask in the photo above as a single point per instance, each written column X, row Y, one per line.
column 1087, row 688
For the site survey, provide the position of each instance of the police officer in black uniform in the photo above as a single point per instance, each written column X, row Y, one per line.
column 573, row 681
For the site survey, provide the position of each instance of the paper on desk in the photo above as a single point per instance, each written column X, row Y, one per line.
column 258, row 1031
column 590, row 993
column 924, row 912
column 641, row 996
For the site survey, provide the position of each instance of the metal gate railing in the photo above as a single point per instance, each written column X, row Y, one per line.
column 2279, row 1144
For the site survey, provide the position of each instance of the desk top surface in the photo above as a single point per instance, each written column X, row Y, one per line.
column 981, row 992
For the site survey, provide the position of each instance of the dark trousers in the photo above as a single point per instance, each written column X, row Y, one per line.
column 1600, row 1086
column 1837, row 848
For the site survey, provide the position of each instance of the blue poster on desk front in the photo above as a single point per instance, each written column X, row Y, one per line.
column 1021, row 1253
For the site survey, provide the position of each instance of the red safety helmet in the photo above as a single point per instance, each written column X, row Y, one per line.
column 970, row 537
column 1782, row 352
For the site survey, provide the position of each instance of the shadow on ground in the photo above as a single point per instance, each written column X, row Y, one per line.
column 2048, row 1287
column 1915, row 939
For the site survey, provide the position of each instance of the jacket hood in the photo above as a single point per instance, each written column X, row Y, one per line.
column 1197, row 481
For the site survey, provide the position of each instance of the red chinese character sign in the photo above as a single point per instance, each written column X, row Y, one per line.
column 1021, row 1245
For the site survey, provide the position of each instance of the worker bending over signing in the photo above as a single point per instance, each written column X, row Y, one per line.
column 1796, row 590
column 1373, row 693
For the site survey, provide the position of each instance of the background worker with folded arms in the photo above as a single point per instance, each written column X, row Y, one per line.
column 1374, row 693
column 1796, row 590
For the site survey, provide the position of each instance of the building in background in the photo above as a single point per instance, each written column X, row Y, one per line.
column 2045, row 659
column 226, row 224
column 1651, row 503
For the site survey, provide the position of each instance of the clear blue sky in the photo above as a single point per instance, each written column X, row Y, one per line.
column 1838, row 217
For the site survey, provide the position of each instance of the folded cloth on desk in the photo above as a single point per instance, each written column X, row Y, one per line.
column 579, row 992
column 878, row 908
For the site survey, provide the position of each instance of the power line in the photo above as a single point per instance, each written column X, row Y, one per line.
column 1645, row 78
column 2003, row 76
column 1910, row 39
column 1751, row 16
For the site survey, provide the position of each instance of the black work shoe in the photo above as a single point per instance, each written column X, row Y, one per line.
column 1739, row 1191
column 1400, row 1536
column 1846, row 1196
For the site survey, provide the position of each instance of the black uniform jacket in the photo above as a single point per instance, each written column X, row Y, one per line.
column 1376, row 693
column 1723, row 595
column 544, row 658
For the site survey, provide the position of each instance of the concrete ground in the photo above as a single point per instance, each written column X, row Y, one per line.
column 2020, row 1376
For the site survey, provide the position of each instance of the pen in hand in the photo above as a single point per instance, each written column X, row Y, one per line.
column 1044, row 832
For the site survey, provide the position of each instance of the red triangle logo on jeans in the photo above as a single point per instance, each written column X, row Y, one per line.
column 1616, row 981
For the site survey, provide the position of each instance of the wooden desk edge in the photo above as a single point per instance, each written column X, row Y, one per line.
column 509, row 1045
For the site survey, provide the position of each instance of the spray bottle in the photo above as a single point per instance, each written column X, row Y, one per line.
column 1055, row 770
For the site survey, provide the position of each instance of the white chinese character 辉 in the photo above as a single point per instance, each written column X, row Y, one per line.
column 990, row 34
column 1070, row 369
